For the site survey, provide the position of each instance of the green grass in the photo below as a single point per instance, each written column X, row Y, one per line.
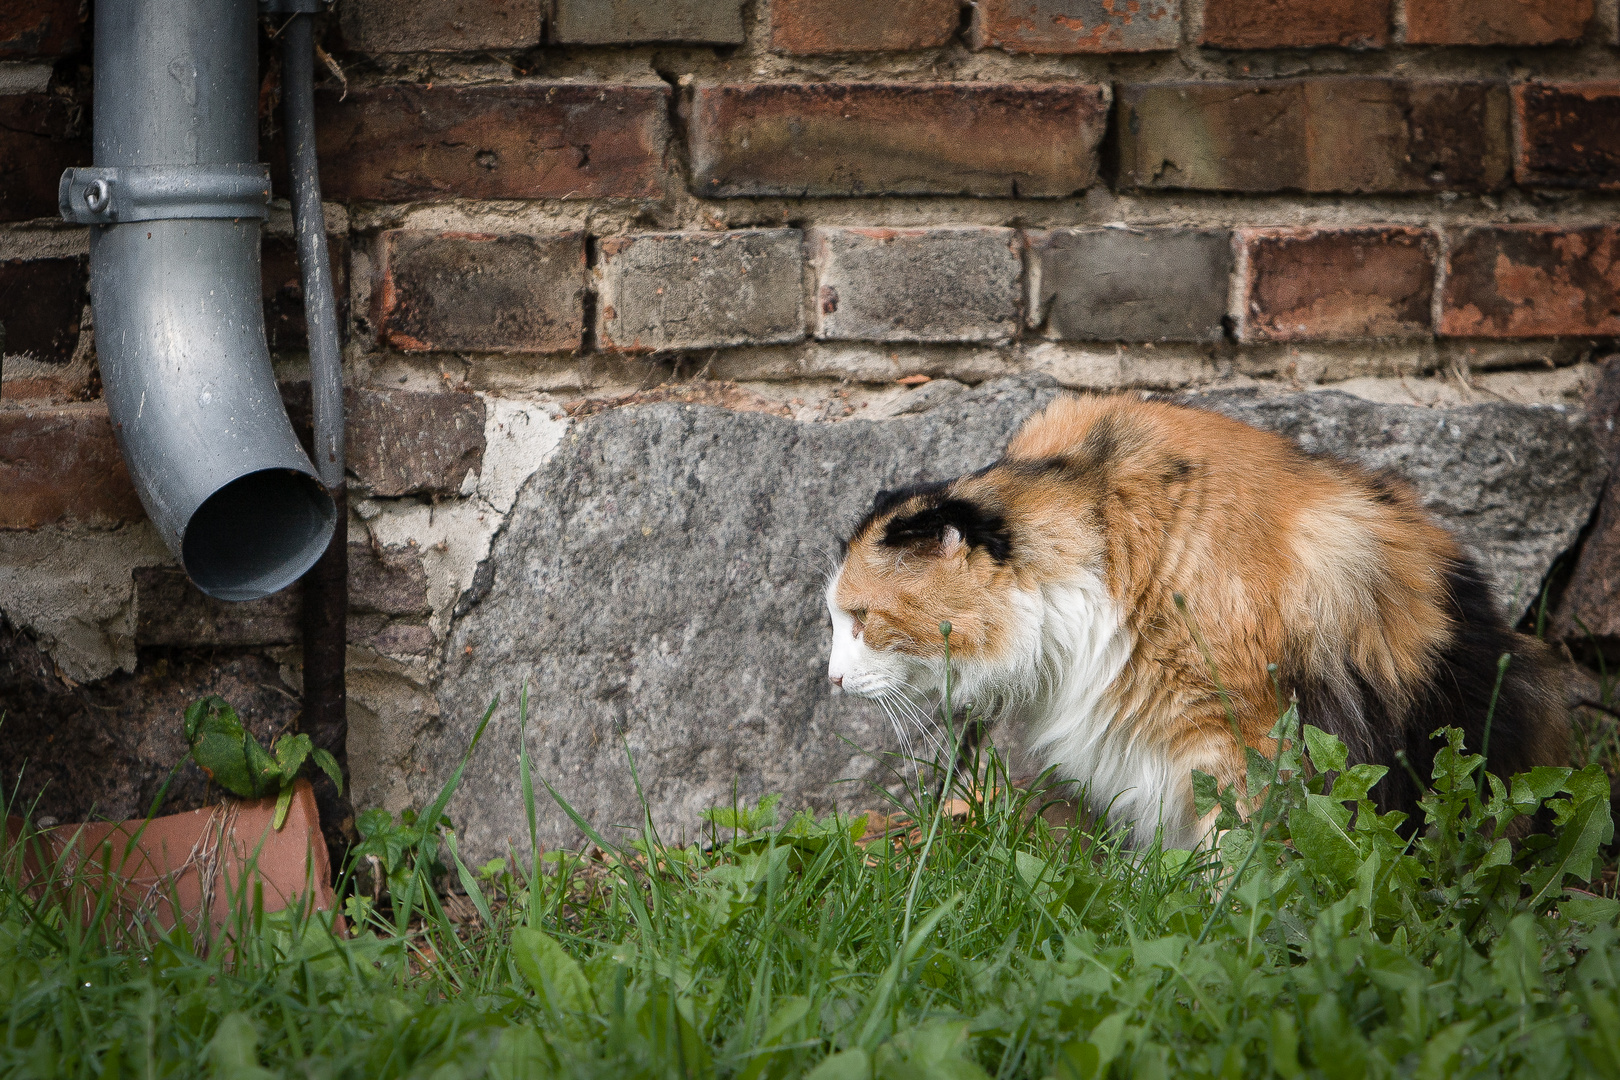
column 985, row 944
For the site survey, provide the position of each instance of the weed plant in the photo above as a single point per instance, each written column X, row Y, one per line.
column 971, row 939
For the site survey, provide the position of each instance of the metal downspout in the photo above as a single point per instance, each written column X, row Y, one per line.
column 176, row 199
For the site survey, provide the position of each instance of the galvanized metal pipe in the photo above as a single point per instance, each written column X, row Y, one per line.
column 179, row 320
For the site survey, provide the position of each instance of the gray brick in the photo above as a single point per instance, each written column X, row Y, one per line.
column 926, row 285
column 618, row 22
column 479, row 292
column 699, row 290
column 1163, row 284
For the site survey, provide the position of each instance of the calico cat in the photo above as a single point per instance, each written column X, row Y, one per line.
column 1080, row 572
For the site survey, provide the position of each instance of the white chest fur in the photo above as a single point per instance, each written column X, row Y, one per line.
column 1071, row 721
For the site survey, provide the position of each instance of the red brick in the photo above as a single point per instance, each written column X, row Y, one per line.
column 1076, row 26
column 61, row 466
column 402, row 442
column 1318, row 135
column 41, row 302
column 32, row 28
column 1336, row 284
column 821, row 139
column 1496, row 22
column 1287, row 24
column 284, row 324
column 479, row 292
column 385, row 26
column 1568, row 135
column 40, row 135
column 522, row 141
column 808, row 27
column 1512, row 281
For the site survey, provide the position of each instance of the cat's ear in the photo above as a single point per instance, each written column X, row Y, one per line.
column 948, row 527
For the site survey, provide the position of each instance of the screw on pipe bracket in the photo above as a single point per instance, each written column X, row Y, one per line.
column 110, row 196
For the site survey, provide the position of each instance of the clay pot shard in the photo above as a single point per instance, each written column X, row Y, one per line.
column 194, row 869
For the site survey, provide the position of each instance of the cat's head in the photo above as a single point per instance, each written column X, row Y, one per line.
column 925, row 555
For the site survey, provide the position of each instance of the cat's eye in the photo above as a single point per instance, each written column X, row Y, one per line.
column 859, row 615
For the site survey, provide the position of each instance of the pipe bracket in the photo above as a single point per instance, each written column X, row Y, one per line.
column 110, row 196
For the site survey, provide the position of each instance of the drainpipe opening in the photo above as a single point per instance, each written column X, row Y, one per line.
column 257, row 534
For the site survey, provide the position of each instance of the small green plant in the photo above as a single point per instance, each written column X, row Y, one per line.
column 234, row 760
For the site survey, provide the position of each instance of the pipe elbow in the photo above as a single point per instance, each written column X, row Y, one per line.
column 195, row 406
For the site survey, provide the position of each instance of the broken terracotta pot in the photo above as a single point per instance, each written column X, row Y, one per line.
column 192, row 867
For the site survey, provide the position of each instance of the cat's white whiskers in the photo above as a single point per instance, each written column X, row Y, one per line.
column 922, row 723
column 923, row 718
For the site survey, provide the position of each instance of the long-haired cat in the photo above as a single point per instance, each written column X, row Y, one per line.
column 1059, row 568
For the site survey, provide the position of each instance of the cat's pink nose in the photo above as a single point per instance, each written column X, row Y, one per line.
column 836, row 680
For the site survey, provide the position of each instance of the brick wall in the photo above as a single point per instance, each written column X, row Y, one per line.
column 546, row 207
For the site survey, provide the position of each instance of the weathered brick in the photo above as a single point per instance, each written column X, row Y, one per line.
column 939, row 285
column 1532, row 281
column 1150, row 284
column 386, row 26
column 479, row 292
column 520, row 141
column 809, row 27
column 41, row 302
column 1569, row 135
column 40, row 135
column 620, row 22
column 403, row 442
column 1287, row 24
column 1076, row 26
column 170, row 610
column 33, row 28
column 283, row 290
column 61, row 466
column 1319, row 135
column 1496, row 22
column 388, row 607
column 1336, row 284
column 697, row 290
column 818, row 139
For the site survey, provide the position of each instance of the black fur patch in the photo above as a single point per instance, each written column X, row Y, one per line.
column 1456, row 694
column 889, row 498
column 979, row 527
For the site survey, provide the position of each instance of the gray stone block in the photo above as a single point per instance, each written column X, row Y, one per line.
column 699, row 290
column 928, row 285
column 620, row 22
column 1151, row 284
column 659, row 587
